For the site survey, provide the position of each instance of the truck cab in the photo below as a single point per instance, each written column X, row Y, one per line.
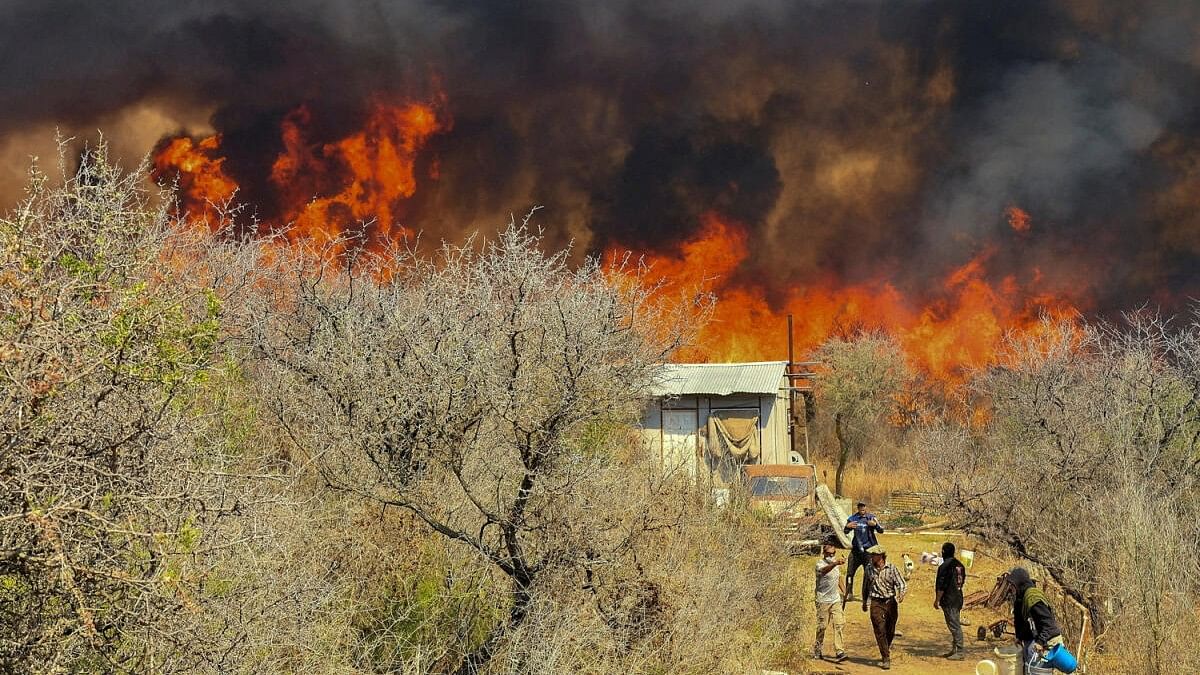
column 802, row 512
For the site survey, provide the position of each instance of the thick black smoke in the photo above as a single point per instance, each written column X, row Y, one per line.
column 853, row 140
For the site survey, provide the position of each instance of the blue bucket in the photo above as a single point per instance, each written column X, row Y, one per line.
column 1060, row 658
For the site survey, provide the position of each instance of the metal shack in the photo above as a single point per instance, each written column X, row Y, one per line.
column 708, row 418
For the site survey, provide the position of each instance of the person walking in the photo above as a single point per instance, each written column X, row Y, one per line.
column 864, row 525
column 1033, row 618
column 885, row 589
column 829, row 593
column 948, row 596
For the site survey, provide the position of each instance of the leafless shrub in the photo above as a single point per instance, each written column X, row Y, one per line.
column 1086, row 464
column 478, row 392
column 713, row 595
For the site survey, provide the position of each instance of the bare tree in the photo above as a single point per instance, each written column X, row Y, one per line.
column 1087, row 465
column 857, row 390
column 473, row 391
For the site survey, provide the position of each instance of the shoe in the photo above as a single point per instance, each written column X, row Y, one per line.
column 886, row 664
column 949, row 654
column 817, row 654
column 839, row 657
column 957, row 656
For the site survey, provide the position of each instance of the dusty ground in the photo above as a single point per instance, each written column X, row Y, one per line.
column 925, row 638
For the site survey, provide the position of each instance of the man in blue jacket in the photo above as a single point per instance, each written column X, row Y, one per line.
column 864, row 526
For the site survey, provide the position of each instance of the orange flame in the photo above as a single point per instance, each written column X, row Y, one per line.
column 378, row 173
column 322, row 189
column 203, row 185
column 960, row 329
column 1018, row 219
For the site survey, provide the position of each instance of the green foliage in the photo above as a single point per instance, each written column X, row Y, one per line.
column 109, row 325
column 861, row 376
column 600, row 438
column 858, row 390
column 434, row 610
column 906, row 520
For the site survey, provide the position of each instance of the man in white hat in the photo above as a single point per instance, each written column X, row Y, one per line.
column 886, row 590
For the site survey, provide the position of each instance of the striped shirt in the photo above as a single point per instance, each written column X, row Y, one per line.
column 888, row 583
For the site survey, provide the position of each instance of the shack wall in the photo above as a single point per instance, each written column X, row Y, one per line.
column 676, row 429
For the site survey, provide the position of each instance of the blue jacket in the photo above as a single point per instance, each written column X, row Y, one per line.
column 864, row 535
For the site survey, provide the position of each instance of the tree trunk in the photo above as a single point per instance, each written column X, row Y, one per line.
column 843, row 453
column 521, row 600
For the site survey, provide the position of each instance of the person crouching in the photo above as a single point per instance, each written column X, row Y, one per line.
column 886, row 590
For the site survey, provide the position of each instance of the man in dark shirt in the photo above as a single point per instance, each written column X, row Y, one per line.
column 864, row 526
column 948, row 596
column 1033, row 619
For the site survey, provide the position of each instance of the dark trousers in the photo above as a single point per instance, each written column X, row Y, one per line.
column 954, row 623
column 883, row 619
column 858, row 558
column 1028, row 654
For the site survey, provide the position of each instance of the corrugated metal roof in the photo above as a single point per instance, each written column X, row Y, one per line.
column 719, row 379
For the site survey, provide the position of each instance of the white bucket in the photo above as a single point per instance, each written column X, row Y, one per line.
column 1008, row 660
column 986, row 667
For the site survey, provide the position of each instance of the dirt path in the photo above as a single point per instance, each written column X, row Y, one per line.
column 925, row 637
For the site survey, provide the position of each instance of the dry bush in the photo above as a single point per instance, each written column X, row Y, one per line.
column 479, row 391
column 112, row 500
column 671, row 587
column 713, row 595
column 1087, row 465
column 888, row 470
column 177, row 405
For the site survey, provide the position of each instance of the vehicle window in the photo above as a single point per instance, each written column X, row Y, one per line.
column 778, row 486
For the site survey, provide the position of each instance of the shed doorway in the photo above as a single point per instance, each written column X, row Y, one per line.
column 680, row 439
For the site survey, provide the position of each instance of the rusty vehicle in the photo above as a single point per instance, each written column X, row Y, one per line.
column 803, row 511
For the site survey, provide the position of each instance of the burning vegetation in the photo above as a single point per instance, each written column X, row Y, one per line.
column 940, row 170
column 367, row 180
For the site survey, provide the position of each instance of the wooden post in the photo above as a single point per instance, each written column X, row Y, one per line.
column 792, row 395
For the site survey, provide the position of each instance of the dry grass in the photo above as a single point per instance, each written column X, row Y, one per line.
column 872, row 482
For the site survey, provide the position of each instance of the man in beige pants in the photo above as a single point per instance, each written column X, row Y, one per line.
column 829, row 592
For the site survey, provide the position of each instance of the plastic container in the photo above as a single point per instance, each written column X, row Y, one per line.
column 1060, row 658
column 986, row 667
column 967, row 557
column 1008, row 660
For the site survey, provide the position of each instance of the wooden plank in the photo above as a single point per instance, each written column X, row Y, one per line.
column 833, row 513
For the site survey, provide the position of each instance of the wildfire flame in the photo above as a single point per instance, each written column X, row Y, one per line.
column 322, row 189
column 203, row 185
column 1018, row 219
column 959, row 329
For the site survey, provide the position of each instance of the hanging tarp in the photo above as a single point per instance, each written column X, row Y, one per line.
column 733, row 434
